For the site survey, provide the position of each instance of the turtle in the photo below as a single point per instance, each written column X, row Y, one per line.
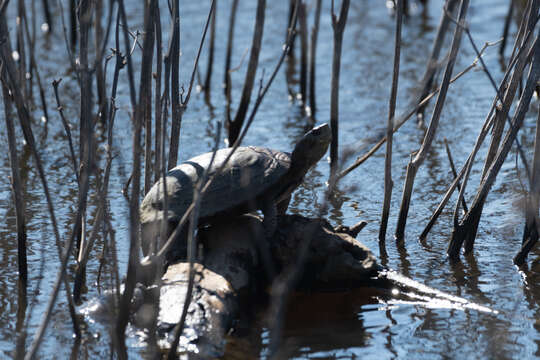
column 254, row 178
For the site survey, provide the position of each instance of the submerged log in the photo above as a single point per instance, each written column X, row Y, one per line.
column 229, row 277
column 229, row 272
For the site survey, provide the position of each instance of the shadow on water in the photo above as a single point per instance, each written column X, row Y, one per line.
column 349, row 324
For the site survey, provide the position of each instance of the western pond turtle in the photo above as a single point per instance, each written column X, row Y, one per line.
column 254, row 178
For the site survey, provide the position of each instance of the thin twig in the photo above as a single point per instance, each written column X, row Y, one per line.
column 419, row 158
column 487, row 182
column 67, row 129
column 388, row 183
column 407, row 115
column 338, row 26
column 454, row 172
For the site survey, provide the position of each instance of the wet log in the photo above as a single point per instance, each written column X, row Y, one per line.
column 229, row 277
column 228, row 273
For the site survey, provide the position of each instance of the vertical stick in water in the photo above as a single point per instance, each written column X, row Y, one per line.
column 302, row 20
column 417, row 161
column 507, row 22
column 73, row 22
column 210, row 64
column 174, row 58
column 17, row 192
column 431, row 67
column 338, row 25
column 141, row 111
column 235, row 126
column 146, row 98
column 157, row 106
column 313, row 58
column 388, row 183
column 530, row 233
column 48, row 17
column 227, row 76
column 290, row 50
column 21, row 50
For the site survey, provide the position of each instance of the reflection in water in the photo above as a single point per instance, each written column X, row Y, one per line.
column 388, row 330
column 348, row 324
column 531, row 291
column 324, row 325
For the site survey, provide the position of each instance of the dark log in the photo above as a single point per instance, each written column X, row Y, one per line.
column 228, row 274
column 229, row 271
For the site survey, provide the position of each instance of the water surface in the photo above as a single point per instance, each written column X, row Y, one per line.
column 338, row 325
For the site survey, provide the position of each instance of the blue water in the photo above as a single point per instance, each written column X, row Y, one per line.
column 343, row 325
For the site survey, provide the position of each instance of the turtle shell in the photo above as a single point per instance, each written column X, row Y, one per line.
column 250, row 173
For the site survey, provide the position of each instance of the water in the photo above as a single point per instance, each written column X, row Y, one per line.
column 337, row 325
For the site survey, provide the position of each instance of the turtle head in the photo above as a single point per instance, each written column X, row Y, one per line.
column 311, row 148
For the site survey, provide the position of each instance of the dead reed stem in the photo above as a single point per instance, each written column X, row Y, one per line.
column 338, row 26
column 9, row 79
column 235, row 126
column 506, row 28
column 461, row 230
column 146, row 97
column 16, row 188
column 173, row 56
column 227, row 77
column 313, row 59
column 454, row 172
column 141, row 113
column 302, row 21
column 48, row 17
column 420, row 156
column 73, row 22
column 530, row 231
column 210, row 64
column 388, row 183
column 67, row 129
column 432, row 64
